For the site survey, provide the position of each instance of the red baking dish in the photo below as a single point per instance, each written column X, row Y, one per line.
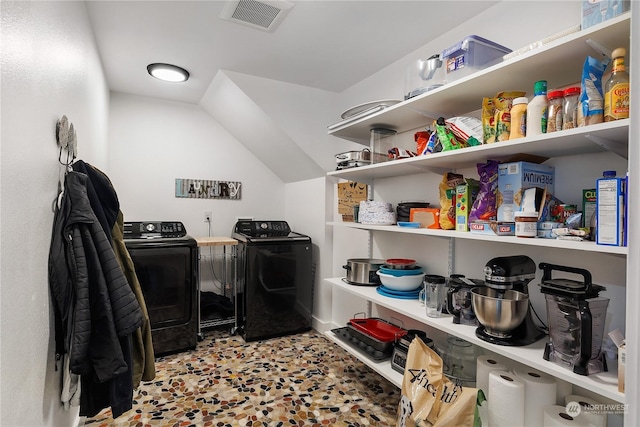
column 378, row 329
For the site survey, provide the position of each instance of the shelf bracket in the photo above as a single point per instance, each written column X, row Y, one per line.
column 452, row 255
column 615, row 147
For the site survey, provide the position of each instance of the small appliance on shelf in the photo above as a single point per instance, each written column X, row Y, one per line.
column 576, row 316
column 502, row 306
column 459, row 299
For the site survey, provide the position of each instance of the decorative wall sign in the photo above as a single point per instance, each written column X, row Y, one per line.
column 207, row 189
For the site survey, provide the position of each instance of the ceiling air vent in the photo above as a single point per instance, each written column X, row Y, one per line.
column 263, row 15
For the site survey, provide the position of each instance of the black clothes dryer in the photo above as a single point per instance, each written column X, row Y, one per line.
column 165, row 259
column 275, row 280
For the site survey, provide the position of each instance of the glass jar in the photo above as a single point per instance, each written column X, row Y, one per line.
column 570, row 108
column 526, row 224
column 556, row 104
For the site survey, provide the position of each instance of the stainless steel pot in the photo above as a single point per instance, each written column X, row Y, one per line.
column 362, row 271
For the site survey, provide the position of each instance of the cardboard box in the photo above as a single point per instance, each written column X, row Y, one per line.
column 427, row 217
column 610, row 211
column 350, row 194
column 513, row 179
column 597, row 11
column 588, row 206
column 465, row 195
column 493, row 228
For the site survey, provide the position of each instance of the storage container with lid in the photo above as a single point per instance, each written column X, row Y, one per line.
column 556, row 104
column 526, row 223
column 570, row 108
column 471, row 54
column 381, row 141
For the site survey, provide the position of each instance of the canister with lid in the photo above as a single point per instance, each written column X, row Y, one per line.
column 570, row 108
column 556, row 104
column 526, row 223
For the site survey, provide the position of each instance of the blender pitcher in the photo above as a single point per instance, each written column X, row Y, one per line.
column 576, row 315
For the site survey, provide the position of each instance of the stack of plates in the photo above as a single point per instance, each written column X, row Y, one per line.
column 382, row 290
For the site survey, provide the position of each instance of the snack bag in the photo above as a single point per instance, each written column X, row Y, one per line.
column 428, row 397
column 448, row 186
column 485, row 205
column 467, row 130
column 502, row 120
column 591, row 109
column 446, row 137
column 488, row 121
column 421, row 138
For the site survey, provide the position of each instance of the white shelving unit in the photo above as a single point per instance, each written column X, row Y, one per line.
column 547, row 243
column 564, row 57
column 463, row 96
column 605, row 384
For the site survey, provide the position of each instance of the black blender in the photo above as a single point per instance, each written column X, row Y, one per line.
column 502, row 306
column 576, row 315
column 459, row 299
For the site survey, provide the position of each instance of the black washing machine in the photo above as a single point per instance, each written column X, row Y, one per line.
column 165, row 259
column 275, row 280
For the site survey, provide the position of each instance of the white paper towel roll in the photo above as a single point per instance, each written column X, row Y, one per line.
column 564, row 388
column 484, row 365
column 556, row 416
column 587, row 415
column 506, row 406
column 539, row 391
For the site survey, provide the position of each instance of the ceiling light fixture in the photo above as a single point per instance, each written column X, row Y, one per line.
column 168, row 72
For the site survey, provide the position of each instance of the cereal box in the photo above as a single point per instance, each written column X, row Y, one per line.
column 514, row 178
column 465, row 195
column 597, row 11
column 588, row 206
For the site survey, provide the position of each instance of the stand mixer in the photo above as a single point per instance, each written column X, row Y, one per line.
column 502, row 306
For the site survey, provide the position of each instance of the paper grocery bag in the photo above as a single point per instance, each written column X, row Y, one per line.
column 428, row 397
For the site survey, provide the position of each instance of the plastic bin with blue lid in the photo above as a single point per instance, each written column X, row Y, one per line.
column 471, row 54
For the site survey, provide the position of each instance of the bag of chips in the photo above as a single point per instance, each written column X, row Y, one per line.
column 485, row 207
column 448, row 186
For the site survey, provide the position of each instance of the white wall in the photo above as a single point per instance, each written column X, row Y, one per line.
column 302, row 112
column 50, row 67
column 306, row 212
column 152, row 142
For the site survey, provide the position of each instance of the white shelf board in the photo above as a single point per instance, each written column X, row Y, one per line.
column 382, row 367
column 547, row 243
column 582, row 140
column 604, row 384
column 562, row 60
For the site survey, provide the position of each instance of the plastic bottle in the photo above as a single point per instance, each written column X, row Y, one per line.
column 519, row 117
column 616, row 91
column 538, row 109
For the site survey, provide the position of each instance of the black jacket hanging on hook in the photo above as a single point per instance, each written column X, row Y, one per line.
column 96, row 307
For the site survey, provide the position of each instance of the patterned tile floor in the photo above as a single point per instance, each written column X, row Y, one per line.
column 301, row 380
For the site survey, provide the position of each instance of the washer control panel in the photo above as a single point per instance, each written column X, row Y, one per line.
column 154, row 229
